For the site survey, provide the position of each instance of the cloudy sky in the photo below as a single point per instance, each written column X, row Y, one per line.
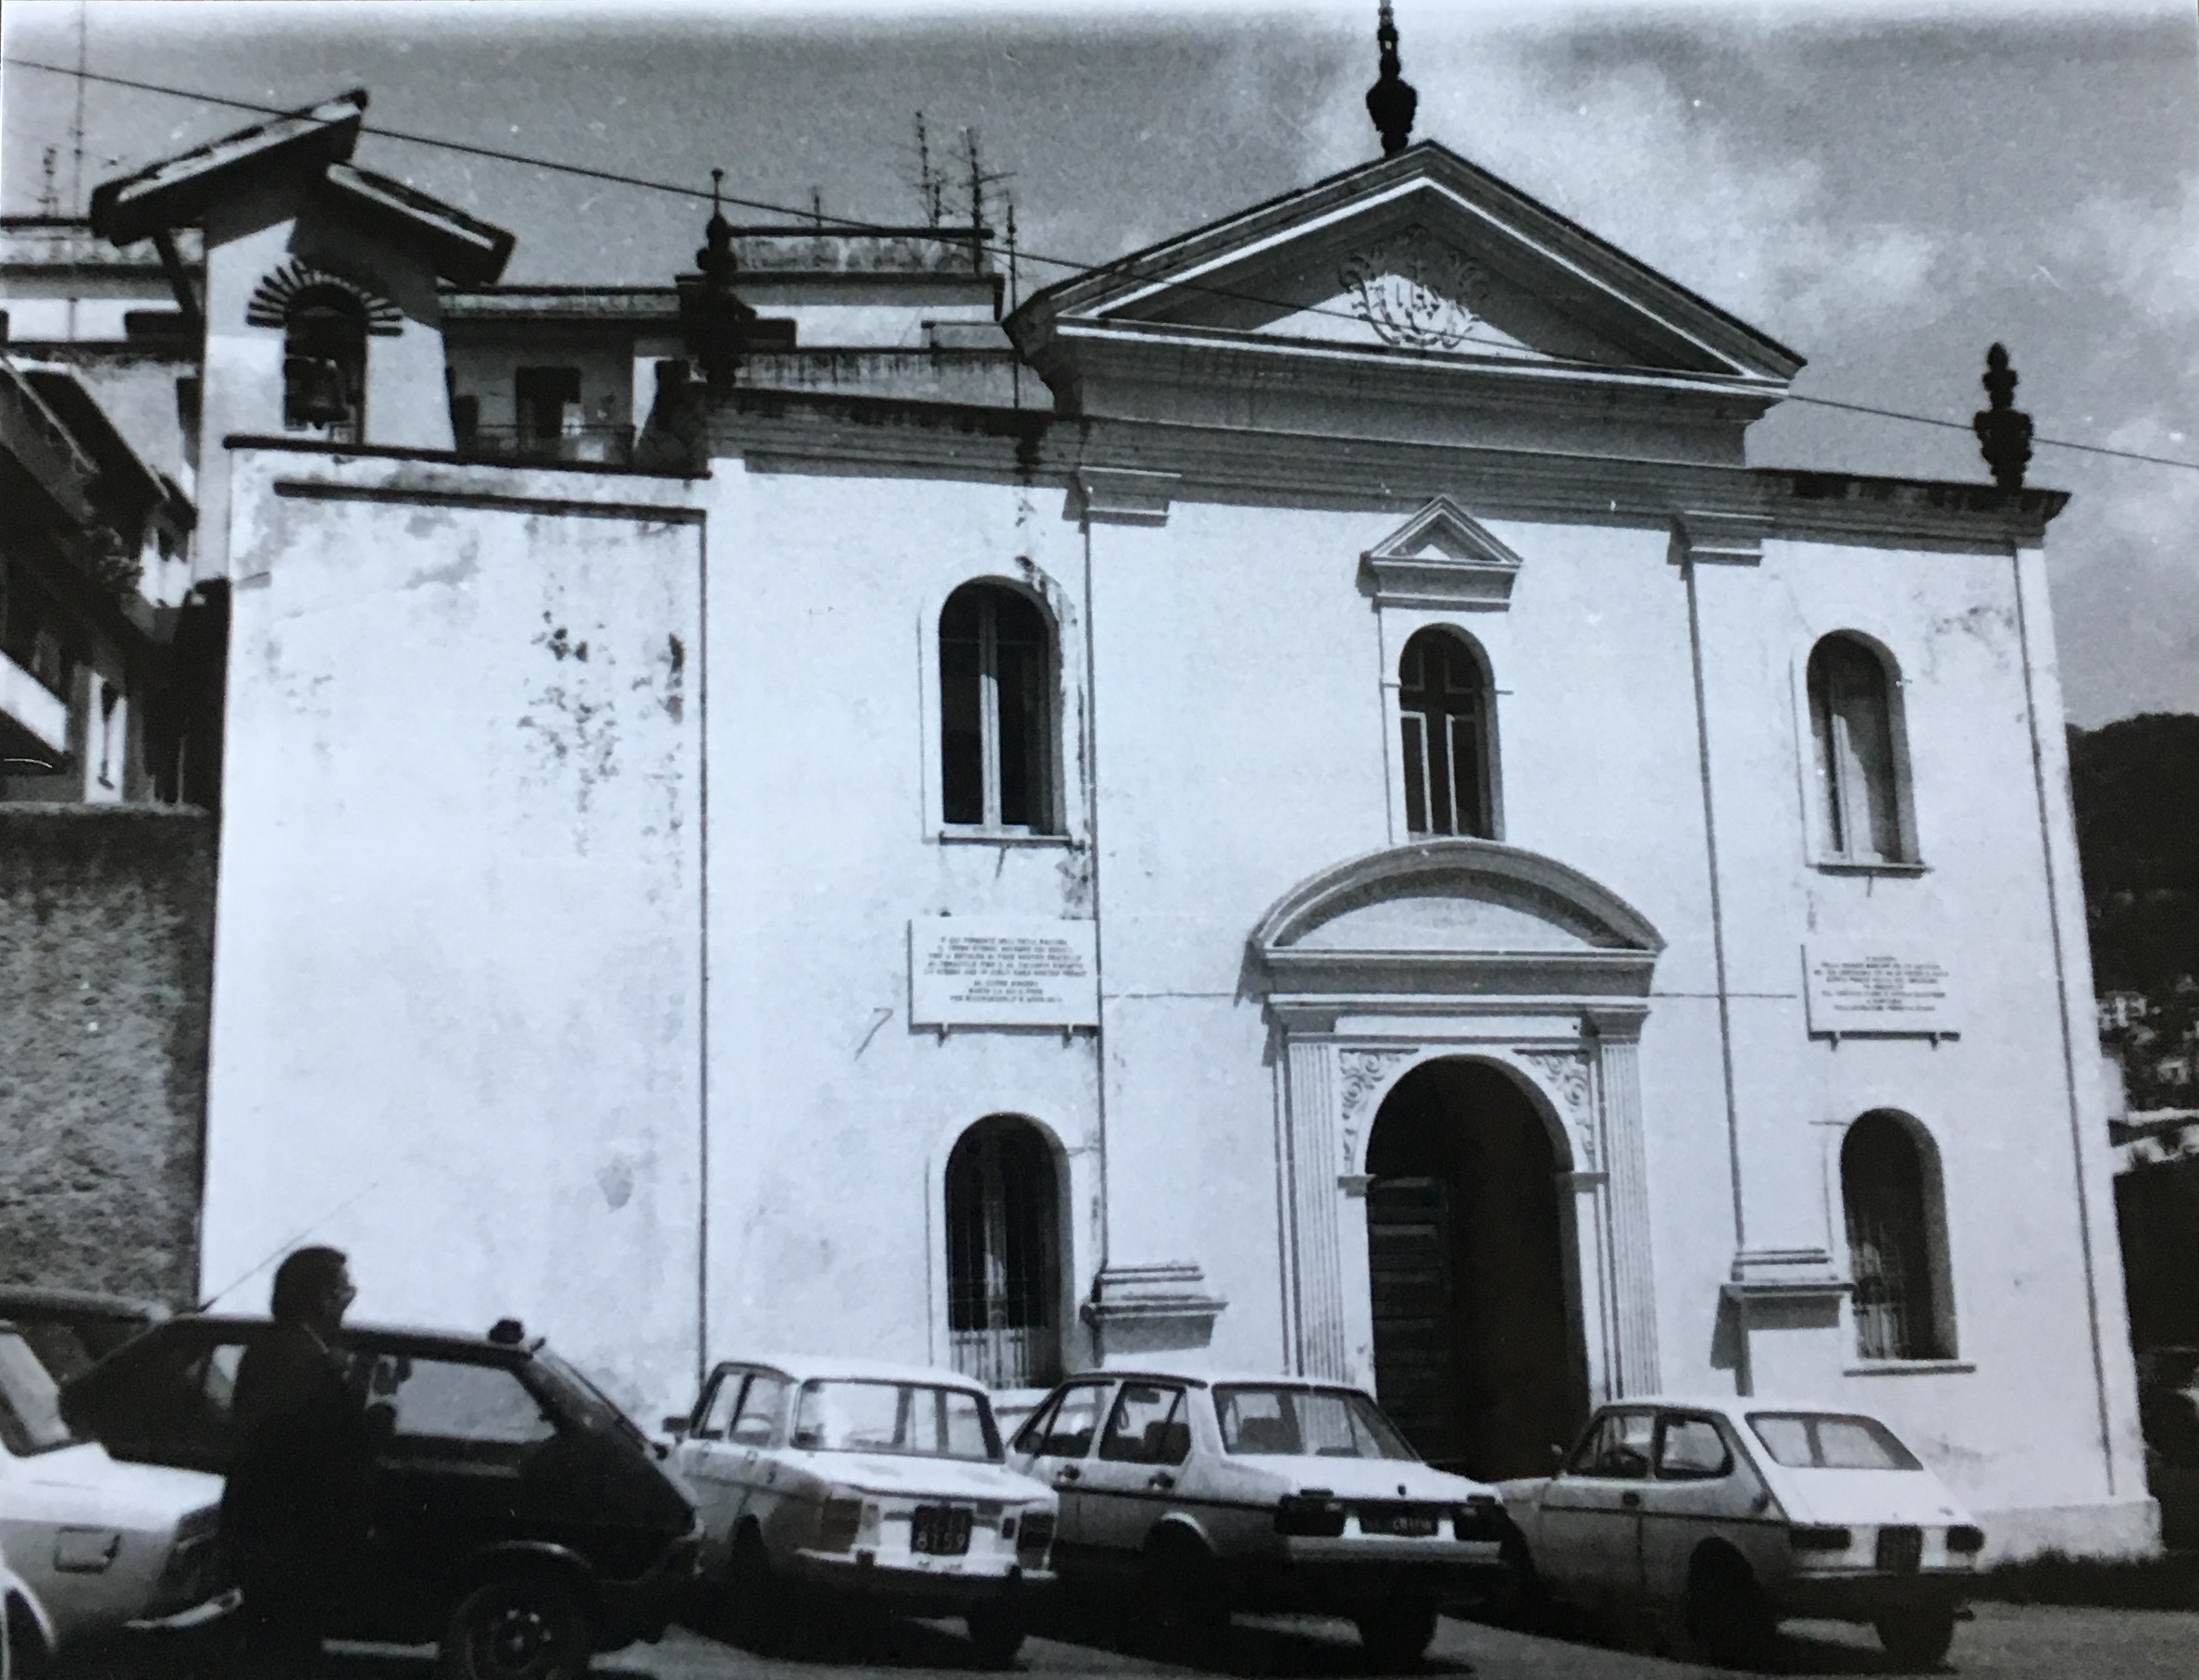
column 1887, row 187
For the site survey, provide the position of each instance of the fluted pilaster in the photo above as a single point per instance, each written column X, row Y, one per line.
column 1316, row 1257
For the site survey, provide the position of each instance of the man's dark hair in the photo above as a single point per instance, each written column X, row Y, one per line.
column 303, row 1278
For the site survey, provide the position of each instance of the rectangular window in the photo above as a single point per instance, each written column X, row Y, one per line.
column 545, row 400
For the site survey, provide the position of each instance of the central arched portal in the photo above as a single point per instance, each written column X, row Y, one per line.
column 1475, row 1354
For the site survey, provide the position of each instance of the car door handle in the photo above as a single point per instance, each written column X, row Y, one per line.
column 1068, row 1473
column 1631, row 1501
column 1160, row 1479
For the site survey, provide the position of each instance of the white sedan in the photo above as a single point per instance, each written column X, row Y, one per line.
column 1733, row 1512
column 878, row 1481
column 1213, row 1493
column 97, row 1547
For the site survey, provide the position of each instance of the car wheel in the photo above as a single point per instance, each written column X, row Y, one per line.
column 1184, row 1594
column 529, row 1626
column 755, row 1602
column 1397, row 1635
column 1724, row 1615
column 996, row 1630
column 1917, row 1638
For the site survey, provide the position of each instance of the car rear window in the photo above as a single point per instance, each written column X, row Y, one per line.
column 879, row 1416
column 1292, row 1423
column 1826, row 1440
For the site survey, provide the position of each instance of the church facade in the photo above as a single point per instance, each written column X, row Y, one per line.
column 1294, row 802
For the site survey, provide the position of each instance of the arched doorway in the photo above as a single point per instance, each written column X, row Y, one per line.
column 1474, row 1354
column 1003, row 1272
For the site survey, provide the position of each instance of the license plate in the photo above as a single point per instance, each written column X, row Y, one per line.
column 1900, row 1550
column 940, row 1531
column 1414, row 1524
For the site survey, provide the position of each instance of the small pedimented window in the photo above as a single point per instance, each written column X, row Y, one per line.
column 1443, row 558
column 1860, row 770
column 1444, row 715
column 997, row 679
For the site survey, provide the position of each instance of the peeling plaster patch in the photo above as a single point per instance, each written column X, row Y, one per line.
column 674, row 678
column 1991, row 627
column 615, row 1177
column 255, row 580
column 427, row 522
column 561, row 643
column 456, row 573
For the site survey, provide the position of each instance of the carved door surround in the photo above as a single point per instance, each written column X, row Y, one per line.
column 1461, row 948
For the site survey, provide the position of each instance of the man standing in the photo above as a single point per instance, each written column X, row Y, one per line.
column 294, row 1513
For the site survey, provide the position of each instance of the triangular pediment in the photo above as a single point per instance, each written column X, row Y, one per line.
column 1423, row 254
column 1442, row 557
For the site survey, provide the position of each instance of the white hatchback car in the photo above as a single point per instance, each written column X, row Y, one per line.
column 857, row 1478
column 1733, row 1512
column 1214, row 1493
column 98, row 1548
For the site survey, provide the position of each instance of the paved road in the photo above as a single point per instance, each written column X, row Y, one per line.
column 2004, row 1643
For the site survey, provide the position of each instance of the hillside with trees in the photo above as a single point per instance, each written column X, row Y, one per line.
column 2135, row 784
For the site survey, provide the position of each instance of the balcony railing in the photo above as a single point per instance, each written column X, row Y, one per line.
column 596, row 445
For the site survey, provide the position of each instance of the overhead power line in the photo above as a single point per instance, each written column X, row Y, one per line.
column 810, row 216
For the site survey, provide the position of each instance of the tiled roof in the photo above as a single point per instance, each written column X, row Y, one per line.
column 175, row 192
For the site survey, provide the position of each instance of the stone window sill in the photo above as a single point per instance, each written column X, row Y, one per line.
column 1911, row 1367
column 1845, row 866
column 1007, row 837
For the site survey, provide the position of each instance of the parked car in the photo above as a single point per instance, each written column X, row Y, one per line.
column 867, row 1481
column 97, row 1550
column 70, row 1330
column 519, row 1517
column 1729, row 1514
column 1260, row 1493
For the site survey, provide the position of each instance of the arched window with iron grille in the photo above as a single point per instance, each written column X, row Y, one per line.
column 1003, row 1266
column 1897, row 1233
column 1444, row 708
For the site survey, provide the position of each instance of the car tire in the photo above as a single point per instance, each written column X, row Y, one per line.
column 1723, row 1615
column 1917, row 1638
column 529, row 1626
column 755, row 1599
column 997, row 1631
column 1184, row 1596
column 1397, row 1635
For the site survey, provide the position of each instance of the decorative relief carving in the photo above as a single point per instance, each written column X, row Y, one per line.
column 270, row 302
column 1564, row 1073
column 1361, row 1073
column 1415, row 291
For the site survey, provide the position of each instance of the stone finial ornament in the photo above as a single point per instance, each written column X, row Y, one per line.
column 2003, row 430
column 1391, row 101
column 712, row 319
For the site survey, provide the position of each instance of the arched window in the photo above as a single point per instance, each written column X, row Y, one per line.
column 996, row 711
column 1896, row 1231
column 1003, row 1273
column 1443, row 700
column 1855, row 723
column 324, row 363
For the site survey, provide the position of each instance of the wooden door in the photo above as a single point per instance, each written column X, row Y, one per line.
column 1411, row 1271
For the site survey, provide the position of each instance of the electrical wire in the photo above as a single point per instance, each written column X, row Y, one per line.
column 1123, row 265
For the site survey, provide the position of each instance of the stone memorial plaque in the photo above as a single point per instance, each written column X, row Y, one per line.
column 1002, row 971
column 1876, row 986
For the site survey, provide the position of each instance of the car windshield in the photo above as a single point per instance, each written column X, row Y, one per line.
column 1294, row 1423
column 874, row 1415
column 1824, row 1440
column 595, row 1409
column 29, row 1403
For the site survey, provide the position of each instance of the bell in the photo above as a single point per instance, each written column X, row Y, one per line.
column 314, row 391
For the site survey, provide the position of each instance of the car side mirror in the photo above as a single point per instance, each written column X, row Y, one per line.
column 676, row 1427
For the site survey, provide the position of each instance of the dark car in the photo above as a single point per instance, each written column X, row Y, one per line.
column 520, row 1518
column 71, row 1330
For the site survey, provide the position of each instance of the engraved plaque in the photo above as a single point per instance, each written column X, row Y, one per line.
column 1002, row 971
column 1876, row 986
